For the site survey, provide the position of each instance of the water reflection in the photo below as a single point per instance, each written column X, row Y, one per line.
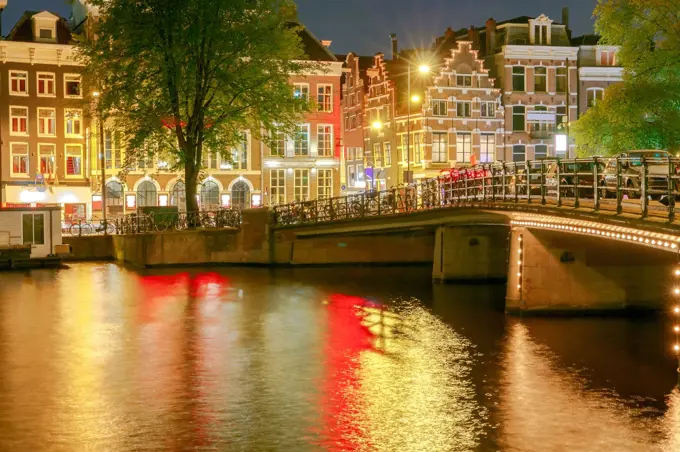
column 99, row 357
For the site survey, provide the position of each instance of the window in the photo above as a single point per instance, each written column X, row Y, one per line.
column 45, row 33
column 114, row 197
column 18, row 83
column 540, row 34
column 301, row 91
column 540, row 151
column 488, row 109
column 377, row 155
column 324, row 183
column 324, row 97
column 301, row 185
column 352, row 175
column 439, row 108
column 518, row 78
column 178, row 195
column 146, row 194
column 74, row 160
column 387, row 150
column 46, row 84
column 47, row 122
column 439, row 147
column 210, row 195
column 113, row 154
column 360, row 173
column 33, row 228
column 464, row 109
column 239, row 155
column 417, row 147
column 560, row 115
column 487, row 149
column 19, row 152
column 209, row 160
column 519, row 153
column 47, row 158
column 18, row 117
column 594, row 95
column 540, row 79
column 561, row 79
column 277, row 184
column 279, row 146
column 324, row 134
column 463, row 147
column 72, row 85
column 518, row 113
column 73, row 119
column 302, row 140
column 405, row 147
column 607, row 58
column 464, row 80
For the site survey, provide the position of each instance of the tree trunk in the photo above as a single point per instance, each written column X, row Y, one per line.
column 191, row 182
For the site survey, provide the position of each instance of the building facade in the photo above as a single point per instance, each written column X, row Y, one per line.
column 598, row 68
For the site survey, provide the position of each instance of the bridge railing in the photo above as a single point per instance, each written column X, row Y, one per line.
column 635, row 185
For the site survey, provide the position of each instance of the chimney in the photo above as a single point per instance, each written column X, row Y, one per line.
column 326, row 43
column 395, row 48
column 565, row 19
column 473, row 36
column 490, row 36
column 448, row 34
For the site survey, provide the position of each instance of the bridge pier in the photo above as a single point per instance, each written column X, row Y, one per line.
column 470, row 253
column 553, row 272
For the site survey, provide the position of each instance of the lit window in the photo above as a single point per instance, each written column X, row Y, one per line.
column 387, row 150
column 607, row 58
column 463, row 147
column 239, row 154
column 464, row 109
column 487, row 150
column 47, row 156
column 47, row 122
column 209, row 159
column 18, row 118
column 279, row 145
column 324, row 98
column 301, row 91
column 19, row 153
column 302, row 140
column 73, row 122
column 439, row 108
column 439, row 147
column 301, row 184
column 277, row 184
column 324, row 135
column 488, row 109
column 377, row 155
column 113, row 154
column 46, row 84
column 18, row 83
column 324, row 178
column 72, row 85
column 74, row 160
column 417, row 147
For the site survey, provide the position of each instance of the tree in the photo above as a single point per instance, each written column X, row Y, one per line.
column 643, row 112
column 179, row 78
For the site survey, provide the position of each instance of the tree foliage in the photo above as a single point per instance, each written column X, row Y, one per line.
column 179, row 78
column 643, row 112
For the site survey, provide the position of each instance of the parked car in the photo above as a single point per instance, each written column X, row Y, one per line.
column 568, row 178
column 631, row 173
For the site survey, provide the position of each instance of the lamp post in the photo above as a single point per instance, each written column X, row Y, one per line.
column 102, row 160
column 377, row 126
column 423, row 69
column 3, row 4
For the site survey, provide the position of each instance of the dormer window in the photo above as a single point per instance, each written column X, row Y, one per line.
column 540, row 31
column 540, row 35
column 44, row 27
column 607, row 57
column 46, row 33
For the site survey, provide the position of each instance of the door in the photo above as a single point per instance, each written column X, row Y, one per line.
column 240, row 195
column 34, row 230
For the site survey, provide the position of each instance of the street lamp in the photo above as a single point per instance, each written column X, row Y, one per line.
column 376, row 125
column 423, row 69
column 102, row 161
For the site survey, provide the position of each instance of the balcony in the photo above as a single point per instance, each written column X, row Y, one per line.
column 541, row 134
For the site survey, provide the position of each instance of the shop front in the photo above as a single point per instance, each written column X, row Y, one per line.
column 76, row 202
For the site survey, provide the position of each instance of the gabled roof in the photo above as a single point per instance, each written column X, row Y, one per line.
column 23, row 31
column 312, row 47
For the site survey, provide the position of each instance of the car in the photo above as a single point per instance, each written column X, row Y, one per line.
column 584, row 169
column 631, row 173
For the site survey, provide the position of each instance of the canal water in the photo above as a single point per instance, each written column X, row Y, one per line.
column 102, row 358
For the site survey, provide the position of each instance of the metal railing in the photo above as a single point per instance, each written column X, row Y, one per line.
column 157, row 222
column 634, row 185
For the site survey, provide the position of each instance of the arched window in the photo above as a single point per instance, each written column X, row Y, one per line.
column 240, row 195
column 114, row 197
column 210, row 195
column 178, row 196
column 146, row 194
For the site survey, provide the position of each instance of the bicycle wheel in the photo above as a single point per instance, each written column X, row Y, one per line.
column 74, row 230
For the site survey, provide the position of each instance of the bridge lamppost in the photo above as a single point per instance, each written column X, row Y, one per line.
column 377, row 126
column 423, row 69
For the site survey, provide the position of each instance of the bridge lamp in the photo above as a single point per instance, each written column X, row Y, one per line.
column 415, row 98
column 376, row 125
column 423, row 68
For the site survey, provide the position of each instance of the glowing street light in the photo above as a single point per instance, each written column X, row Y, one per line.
column 415, row 98
column 424, row 68
column 376, row 125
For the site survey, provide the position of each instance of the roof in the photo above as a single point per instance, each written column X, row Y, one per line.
column 313, row 48
column 23, row 31
column 586, row 40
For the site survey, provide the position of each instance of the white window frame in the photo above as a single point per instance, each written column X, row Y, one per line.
column 487, row 148
column 80, row 80
column 11, row 120
column 280, row 188
column 46, row 228
column 27, row 153
column 547, row 151
column 212, row 158
column 611, row 53
column 303, row 190
column 328, row 96
column 43, row 121
column 237, row 155
column 319, row 133
column 52, row 80
column 544, row 76
column 387, row 154
column 524, row 79
column 297, row 140
column 324, row 174
column 52, row 154
column 378, row 155
column 67, row 119
column 442, row 147
column 464, row 78
column 559, row 77
column 467, row 108
column 351, row 175
column 66, row 156
column 280, row 138
column 463, row 147
column 303, row 89
column 595, row 90
column 12, row 76
column 438, row 111
column 484, row 109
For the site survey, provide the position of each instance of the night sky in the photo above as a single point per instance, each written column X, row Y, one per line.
column 363, row 26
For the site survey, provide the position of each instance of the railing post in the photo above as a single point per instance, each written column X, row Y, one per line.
column 619, row 187
column 467, row 194
column 528, row 171
column 493, row 183
column 542, row 182
column 80, row 227
column 483, row 183
column 516, row 172
column 596, row 184
column 503, row 181
column 671, row 190
column 558, row 179
column 644, row 200
column 577, row 184
column 363, row 205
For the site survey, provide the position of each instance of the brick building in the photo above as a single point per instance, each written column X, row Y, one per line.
column 598, row 68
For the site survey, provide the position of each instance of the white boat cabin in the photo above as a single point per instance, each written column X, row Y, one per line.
column 39, row 227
